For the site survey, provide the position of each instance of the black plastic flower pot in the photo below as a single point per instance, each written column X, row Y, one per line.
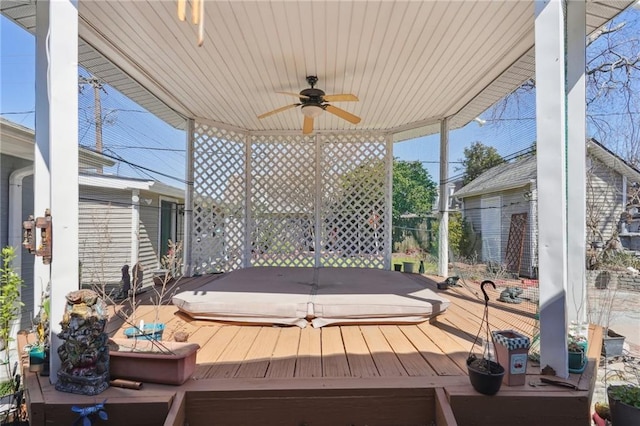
column 621, row 398
column 485, row 376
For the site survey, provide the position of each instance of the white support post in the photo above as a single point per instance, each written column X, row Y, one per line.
column 56, row 157
column 41, row 177
column 552, row 184
column 248, row 217
column 576, row 161
column 188, row 202
column 388, row 244
column 443, row 229
column 319, row 163
column 135, row 227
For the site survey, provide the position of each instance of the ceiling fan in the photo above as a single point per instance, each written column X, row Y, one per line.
column 313, row 102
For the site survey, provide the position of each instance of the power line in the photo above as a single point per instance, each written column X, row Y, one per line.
column 137, row 166
column 17, row 112
column 147, row 148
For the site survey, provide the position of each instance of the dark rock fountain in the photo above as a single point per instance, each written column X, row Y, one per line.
column 84, row 353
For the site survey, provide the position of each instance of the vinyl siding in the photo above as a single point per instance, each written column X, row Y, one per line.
column 104, row 234
column 9, row 164
column 472, row 213
column 604, row 201
column 28, row 290
column 512, row 202
column 149, row 235
column 604, row 205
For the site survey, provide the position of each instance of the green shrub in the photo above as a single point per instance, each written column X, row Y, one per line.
column 10, row 303
column 462, row 239
column 629, row 394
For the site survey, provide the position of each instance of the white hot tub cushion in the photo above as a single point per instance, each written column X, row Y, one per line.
column 263, row 295
column 292, row 296
column 352, row 295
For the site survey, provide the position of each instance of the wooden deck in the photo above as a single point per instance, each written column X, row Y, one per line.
column 357, row 374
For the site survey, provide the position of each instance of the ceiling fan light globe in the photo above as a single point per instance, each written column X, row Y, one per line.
column 312, row 111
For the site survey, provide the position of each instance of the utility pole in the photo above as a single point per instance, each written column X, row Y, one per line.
column 97, row 110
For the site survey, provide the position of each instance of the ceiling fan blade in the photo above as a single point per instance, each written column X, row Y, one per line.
column 346, row 97
column 295, row 95
column 343, row 114
column 308, row 125
column 275, row 111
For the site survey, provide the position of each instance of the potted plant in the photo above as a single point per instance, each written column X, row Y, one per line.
column 10, row 304
column 612, row 343
column 143, row 356
column 485, row 375
column 606, row 266
column 577, row 354
column 39, row 351
column 163, row 289
column 624, row 404
column 170, row 363
column 407, row 266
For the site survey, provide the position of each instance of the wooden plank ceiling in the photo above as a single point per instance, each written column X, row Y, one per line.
column 410, row 63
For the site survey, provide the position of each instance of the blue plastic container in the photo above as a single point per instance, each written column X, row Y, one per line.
column 150, row 331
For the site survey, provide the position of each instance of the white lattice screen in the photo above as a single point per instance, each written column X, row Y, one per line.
column 290, row 200
column 355, row 211
column 219, row 186
column 282, row 200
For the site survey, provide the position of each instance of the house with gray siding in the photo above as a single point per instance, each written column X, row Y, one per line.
column 121, row 220
column 501, row 207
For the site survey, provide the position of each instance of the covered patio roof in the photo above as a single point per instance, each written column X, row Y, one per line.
column 417, row 68
column 410, row 63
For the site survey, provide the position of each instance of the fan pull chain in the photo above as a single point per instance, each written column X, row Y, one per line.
column 197, row 16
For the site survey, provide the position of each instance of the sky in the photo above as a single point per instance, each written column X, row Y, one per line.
column 130, row 133
column 128, row 128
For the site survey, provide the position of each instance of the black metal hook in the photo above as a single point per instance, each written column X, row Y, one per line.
column 486, row 296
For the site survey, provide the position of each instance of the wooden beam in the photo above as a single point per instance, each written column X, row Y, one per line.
column 317, row 407
column 512, row 407
column 444, row 413
column 177, row 415
column 34, row 398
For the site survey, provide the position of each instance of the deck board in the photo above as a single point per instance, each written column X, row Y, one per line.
column 360, row 356
column 385, row 358
column 283, row 361
column 211, row 351
column 334, row 358
column 259, row 356
column 457, row 349
column 413, row 363
column 426, row 347
column 234, row 353
column 309, row 362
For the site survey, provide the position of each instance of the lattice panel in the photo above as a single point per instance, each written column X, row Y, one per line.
column 218, row 199
column 354, row 212
column 515, row 244
column 279, row 224
column 282, row 200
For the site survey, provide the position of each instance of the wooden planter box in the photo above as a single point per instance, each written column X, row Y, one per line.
column 144, row 361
